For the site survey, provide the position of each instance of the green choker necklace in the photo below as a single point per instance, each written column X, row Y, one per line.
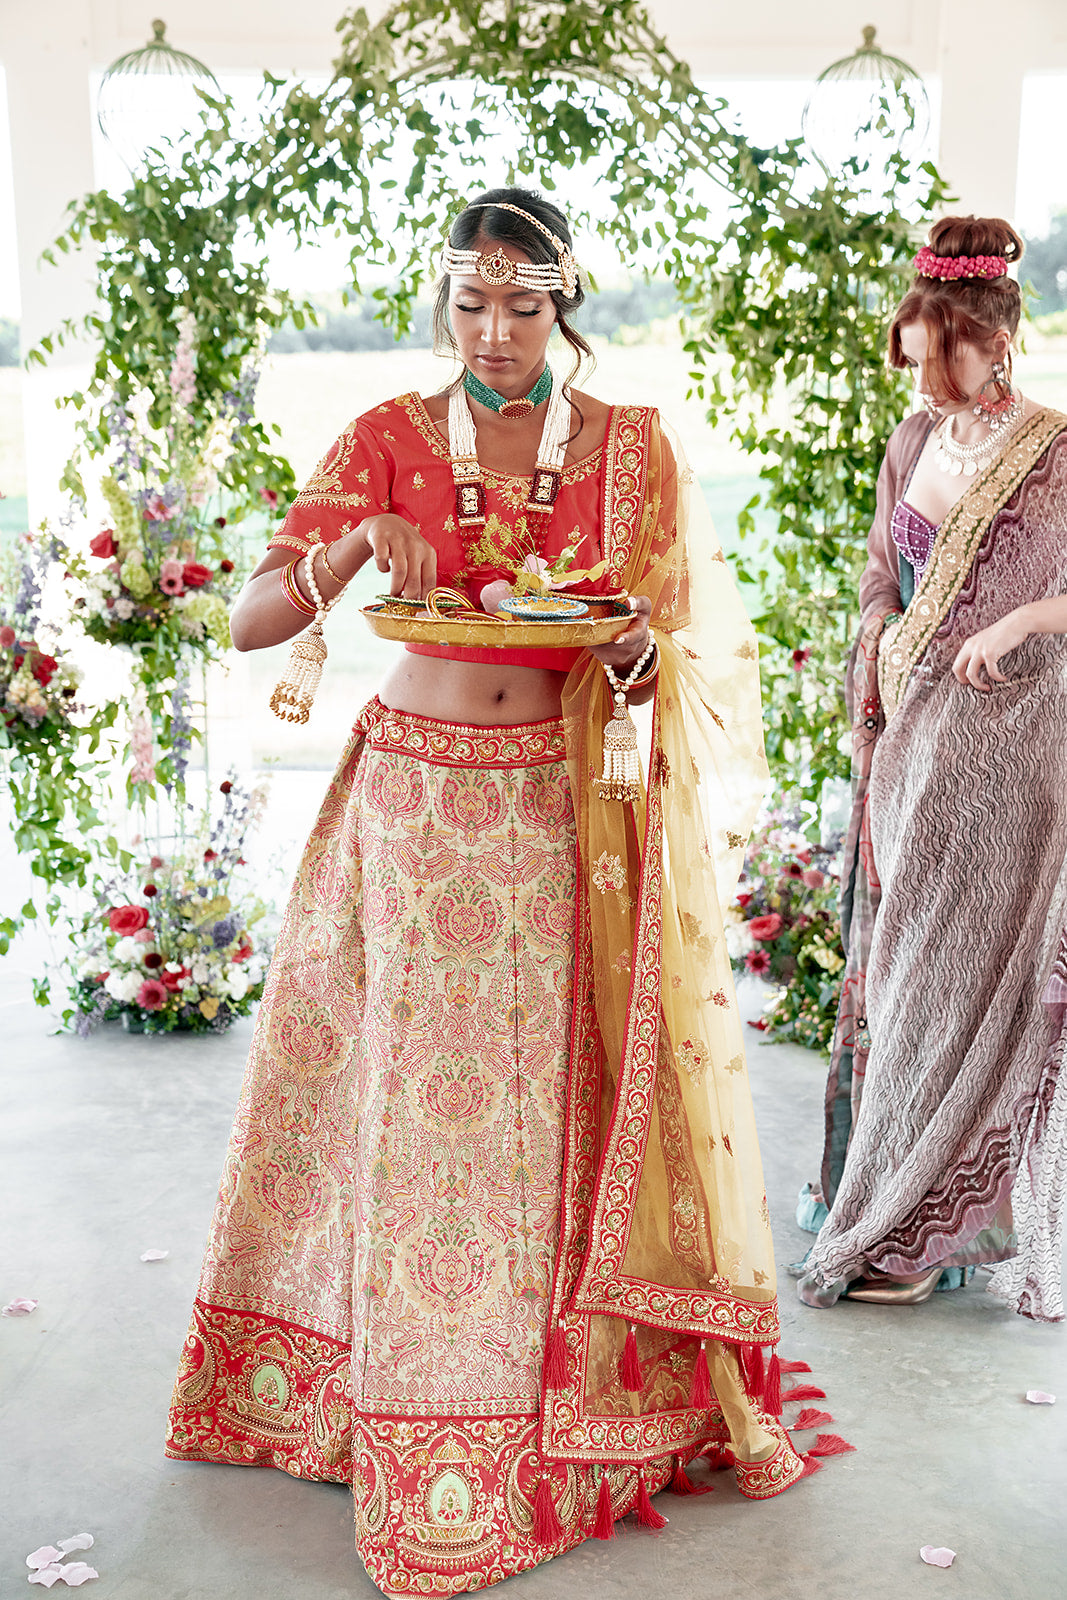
column 509, row 408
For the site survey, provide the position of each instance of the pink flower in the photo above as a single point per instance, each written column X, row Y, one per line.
column 793, row 870
column 127, row 919
column 145, row 936
column 7, row 637
column 151, row 996
column 171, row 577
column 270, row 496
column 758, row 961
column 813, row 878
column 800, row 659
column 157, row 510
column 768, row 927
column 104, row 544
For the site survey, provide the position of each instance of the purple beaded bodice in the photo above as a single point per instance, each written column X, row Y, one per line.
column 912, row 535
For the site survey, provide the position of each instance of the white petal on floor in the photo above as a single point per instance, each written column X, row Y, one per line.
column 937, row 1555
column 155, row 1255
column 19, row 1307
column 1040, row 1397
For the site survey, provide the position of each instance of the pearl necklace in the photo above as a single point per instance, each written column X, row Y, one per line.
column 467, row 473
column 955, row 458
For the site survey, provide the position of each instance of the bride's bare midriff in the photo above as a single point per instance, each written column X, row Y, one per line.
column 467, row 692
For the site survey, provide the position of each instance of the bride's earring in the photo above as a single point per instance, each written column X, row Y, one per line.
column 995, row 397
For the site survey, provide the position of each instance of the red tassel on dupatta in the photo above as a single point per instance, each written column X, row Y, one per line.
column 772, row 1387
column 645, row 1511
column 630, row 1367
column 604, row 1526
column 751, row 1358
column 557, row 1360
column 682, row 1483
column 547, row 1528
column 700, row 1385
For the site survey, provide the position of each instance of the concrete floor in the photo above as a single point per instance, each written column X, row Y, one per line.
column 113, row 1146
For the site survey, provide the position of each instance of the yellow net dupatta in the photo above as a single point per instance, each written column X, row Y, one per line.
column 664, row 1217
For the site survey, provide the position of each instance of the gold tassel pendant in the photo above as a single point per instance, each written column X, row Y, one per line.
column 294, row 693
column 622, row 764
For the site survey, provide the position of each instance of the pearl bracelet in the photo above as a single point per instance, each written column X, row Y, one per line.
column 619, row 688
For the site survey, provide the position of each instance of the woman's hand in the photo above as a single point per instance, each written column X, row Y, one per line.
column 627, row 647
column 401, row 550
column 978, row 660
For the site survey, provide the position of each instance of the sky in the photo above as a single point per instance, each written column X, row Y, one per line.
column 768, row 112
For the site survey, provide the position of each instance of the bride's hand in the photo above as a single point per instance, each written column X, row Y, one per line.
column 978, row 661
column 401, row 550
column 627, row 647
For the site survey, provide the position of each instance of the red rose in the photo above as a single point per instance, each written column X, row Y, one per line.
column 743, row 900
column 104, row 544
column 44, row 670
column 225, row 566
column 768, row 927
column 220, row 522
column 211, row 855
column 270, row 496
column 7, row 637
column 244, row 953
column 172, row 979
column 800, row 659
column 127, row 919
column 155, row 862
column 150, row 889
column 194, row 576
column 758, row 961
column 225, row 786
column 153, row 959
column 151, row 996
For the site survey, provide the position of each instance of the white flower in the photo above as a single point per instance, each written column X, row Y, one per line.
column 739, row 940
column 201, row 972
column 123, row 608
column 127, row 951
column 236, row 983
column 123, row 986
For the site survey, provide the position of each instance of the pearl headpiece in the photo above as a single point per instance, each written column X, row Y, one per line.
column 495, row 266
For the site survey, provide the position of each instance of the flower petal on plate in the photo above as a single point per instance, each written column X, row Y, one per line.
column 936, row 1555
column 155, row 1255
column 77, row 1541
column 1040, row 1397
column 19, row 1307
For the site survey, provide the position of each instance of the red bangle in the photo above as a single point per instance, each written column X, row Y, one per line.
column 291, row 590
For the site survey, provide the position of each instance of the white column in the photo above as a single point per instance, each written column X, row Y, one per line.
column 47, row 59
column 983, row 54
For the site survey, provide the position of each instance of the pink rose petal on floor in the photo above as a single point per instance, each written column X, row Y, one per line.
column 75, row 1573
column 44, row 1557
column 77, row 1541
column 936, row 1555
column 1040, row 1397
column 155, row 1255
column 47, row 1576
column 19, row 1307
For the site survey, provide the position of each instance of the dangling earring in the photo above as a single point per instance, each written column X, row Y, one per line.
column 931, row 408
column 990, row 408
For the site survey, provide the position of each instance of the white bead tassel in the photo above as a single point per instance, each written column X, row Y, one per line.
column 622, row 766
column 294, row 693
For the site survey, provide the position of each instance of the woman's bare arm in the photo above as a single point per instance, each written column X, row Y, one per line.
column 263, row 616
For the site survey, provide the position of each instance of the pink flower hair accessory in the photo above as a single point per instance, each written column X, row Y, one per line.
column 948, row 268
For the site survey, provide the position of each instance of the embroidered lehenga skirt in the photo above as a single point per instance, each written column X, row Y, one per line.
column 374, row 1296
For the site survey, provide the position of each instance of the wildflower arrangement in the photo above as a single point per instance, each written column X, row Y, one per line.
column 784, row 927
column 38, row 683
column 170, row 944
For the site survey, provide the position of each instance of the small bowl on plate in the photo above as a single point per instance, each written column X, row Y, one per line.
column 544, row 607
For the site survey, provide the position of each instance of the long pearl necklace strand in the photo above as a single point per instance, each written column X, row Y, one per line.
column 969, row 459
column 466, row 468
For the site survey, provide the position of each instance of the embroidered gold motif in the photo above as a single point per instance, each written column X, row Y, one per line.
column 608, row 873
column 735, row 1063
column 764, row 1212
column 746, row 651
column 692, row 1055
column 718, row 556
column 759, row 1278
column 719, row 1284
column 735, row 840
column 418, row 481
column 622, row 961
column 718, row 997
column 676, row 981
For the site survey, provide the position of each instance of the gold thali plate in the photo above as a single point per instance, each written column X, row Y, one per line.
column 476, row 631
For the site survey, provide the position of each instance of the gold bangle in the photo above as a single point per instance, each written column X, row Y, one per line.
column 326, row 563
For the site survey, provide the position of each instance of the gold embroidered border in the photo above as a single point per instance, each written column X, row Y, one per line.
column 448, row 744
column 955, row 548
column 625, row 472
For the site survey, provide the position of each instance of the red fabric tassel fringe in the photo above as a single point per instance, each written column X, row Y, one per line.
column 557, row 1361
column 604, row 1526
column 717, row 1458
column 646, row 1513
column 795, row 1366
column 700, row 1384
column 810, row 1465
column 812, row 1419
column 630, row 1367
column 803, row 1391
column 547, row 1528
column 830, row 1444
column 682, row 1483
column 772, row 1387
column 751, row 1356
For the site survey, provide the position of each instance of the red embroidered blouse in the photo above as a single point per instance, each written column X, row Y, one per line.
column 393, row 458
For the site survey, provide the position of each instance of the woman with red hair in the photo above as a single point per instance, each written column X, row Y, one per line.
column 947, row 1098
